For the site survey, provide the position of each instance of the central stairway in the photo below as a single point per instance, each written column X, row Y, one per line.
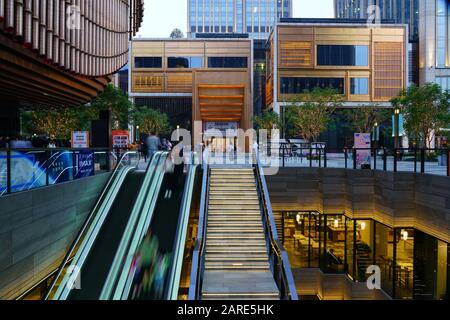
column 236, row 260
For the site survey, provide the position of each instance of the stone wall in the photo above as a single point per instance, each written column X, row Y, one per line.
column 399, row 199
column 37, row 227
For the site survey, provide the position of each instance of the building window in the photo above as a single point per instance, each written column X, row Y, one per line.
column 342, row 55
column 148, row 62
column 227, row 62
column 184, row 62
column 359, row 86
column 443, row 82
column 292, row 85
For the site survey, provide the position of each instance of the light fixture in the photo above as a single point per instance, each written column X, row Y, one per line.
column 336, row 223
column 376, row 124
column 404, row 234
column 299, row 218
column 363, row 225
column 397, row 111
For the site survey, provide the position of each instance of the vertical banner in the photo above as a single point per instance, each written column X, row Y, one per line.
column 80, row 139
column 362, row 141
column 84, row 164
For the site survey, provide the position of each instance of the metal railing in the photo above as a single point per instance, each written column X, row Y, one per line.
column 419, row 160
column 278, row 257
column 198, row 256
column 27, row 169
column 99, row 207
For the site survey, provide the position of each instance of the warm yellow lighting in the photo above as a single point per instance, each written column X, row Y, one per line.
column 397, row 111
column 404, row 234
column 299, row 218
column 363, row 226
column 336, row 223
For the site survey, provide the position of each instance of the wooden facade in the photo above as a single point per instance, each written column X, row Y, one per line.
column 63, row 52
column 218, row 94
column 295, row 45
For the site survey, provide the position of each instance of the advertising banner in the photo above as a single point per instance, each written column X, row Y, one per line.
column 60, row 167
column 84, row 164
column 120, row 139
column 362, row 140
column 80, row 139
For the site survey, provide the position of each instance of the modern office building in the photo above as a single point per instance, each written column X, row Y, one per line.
column 60, row 53
column 255, row 17
column 366, row 65
column 401, row 11
column 434, row 42
column 207, row 81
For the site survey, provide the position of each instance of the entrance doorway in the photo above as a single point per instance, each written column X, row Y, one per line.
column 222, row 144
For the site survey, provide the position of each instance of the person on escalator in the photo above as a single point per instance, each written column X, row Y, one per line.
column 153, row 144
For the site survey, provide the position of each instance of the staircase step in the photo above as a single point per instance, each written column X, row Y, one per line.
column 227, row 212
column 241, row 296
column 237, row 242
column 235, row 224
column 230, row 236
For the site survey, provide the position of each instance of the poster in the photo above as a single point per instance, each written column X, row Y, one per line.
column 120, row 139
column 84, row 164
column 80, row 139
column 362, row 141
column 60, row 167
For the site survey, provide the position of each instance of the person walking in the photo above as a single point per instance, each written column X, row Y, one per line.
column 153, row 144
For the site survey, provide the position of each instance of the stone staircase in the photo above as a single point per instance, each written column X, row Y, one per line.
column 236, row 260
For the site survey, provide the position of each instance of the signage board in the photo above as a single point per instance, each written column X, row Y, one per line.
column 120, row 139
column 226, row 128
column 84, row 164
column 362, row 141
column 80, row 139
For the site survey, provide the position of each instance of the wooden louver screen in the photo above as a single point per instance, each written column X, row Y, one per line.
column 388, row 71
column 295, row 54
column 221, row 102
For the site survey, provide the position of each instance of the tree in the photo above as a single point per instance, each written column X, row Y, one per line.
column 269, row 120
column 151, row 121
column 363, row 118
column 177, row 34
column 310, row 113
column 116, row 101
column 55, row 123
column 425, row 110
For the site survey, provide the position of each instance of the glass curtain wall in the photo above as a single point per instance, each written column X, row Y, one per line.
column 413, row 264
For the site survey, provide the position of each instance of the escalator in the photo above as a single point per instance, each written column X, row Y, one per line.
column 96, row 267
column 151, row 268
column 95, row 246
column 136, row 208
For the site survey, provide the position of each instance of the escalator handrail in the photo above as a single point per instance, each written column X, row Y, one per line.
column 180, row 237
column 145, row 196
column 273, row 234
column 195, row 282
column 112, row 180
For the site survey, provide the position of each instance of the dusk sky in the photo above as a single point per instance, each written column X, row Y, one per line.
column 162, row 16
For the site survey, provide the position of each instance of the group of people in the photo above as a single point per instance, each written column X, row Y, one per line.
column 20, row 142
column 149, row 145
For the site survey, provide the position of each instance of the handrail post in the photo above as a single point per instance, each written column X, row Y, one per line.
column 415, row 159
column 8, row 171
column 354, row 159
column 47, row 160
column 346, row 157
column 310, row 156
column 375, row 159
column 384, row 159
column 325, row 164
column 320, row 158
column 448, row 163
column 283, row 147
column 422, row 160
column 395, row 159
